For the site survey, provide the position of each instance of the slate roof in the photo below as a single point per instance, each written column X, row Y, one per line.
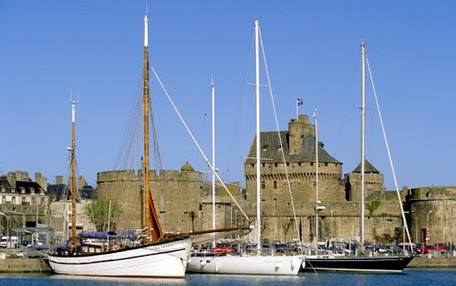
column 26, row 185
column 60, row 190
column 271, row 151
column 368, row 168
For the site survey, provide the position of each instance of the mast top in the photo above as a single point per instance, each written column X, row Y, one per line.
column 73, row 111
column 146, row 32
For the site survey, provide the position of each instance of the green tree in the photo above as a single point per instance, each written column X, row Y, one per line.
column 372, row 207
column 98, row 213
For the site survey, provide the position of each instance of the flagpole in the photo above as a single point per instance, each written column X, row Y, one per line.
column 297, row 104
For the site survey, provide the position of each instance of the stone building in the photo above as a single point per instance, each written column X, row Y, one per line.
column 184, row 203
column 23, row 201
column 59, row 212
column 177, row 196
column 339, row 208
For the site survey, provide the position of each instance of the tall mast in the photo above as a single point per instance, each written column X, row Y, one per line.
column 258, row 159
column 149, row 214
column 74, row 238
column 316, row 178
column 363, row 117
column 213, row 158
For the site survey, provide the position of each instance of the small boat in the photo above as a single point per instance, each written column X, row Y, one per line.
column 154, row 254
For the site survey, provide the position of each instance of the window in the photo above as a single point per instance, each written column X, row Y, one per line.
column 263, row 185
column 275, row 184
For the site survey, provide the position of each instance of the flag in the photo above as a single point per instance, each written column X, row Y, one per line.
column 299, row 101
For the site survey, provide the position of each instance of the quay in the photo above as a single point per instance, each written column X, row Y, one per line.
column 426, row 262
column 23, row 261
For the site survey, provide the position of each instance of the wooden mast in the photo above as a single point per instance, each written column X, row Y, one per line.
column 154, row 231
column 74, row 238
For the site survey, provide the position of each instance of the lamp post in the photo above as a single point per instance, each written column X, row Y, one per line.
column 7, row 225
column 427, row 228
column 332, row 211
column 19, row 213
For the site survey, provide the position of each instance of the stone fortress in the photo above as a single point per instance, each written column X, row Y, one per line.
column 184, row 203
column 183, row 199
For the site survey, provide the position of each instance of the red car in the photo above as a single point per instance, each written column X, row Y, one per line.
column 424, row 249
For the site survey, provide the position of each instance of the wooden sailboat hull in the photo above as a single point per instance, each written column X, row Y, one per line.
column 245, row 265
column 165, row 260
column 380, row 264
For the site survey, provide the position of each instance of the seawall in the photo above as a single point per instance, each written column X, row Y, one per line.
column 433, row 262
column 24, row 265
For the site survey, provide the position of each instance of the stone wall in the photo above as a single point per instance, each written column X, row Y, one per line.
column 176, row 194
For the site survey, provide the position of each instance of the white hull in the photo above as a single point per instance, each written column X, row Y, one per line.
column 158, row 260
column 246, row 265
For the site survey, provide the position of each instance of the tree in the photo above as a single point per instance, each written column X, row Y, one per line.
column 372, row 207
column 98, row 213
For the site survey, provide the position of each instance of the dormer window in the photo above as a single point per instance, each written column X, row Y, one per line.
column 22, row 190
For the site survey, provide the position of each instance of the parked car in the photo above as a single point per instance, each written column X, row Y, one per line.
column 441, row 247
column 424, row 249
column 9, row 242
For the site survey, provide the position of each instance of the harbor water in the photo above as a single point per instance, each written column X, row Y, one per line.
column 408, row 277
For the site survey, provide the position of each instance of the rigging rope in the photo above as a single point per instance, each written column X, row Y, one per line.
column 196, row 143
column 280, row 137
column 388, row 150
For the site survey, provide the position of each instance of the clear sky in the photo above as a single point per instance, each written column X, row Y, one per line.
column 52, row 49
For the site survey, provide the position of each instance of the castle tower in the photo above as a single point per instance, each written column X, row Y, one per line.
column 298, row 171
column 373, row 181
column 297, row 128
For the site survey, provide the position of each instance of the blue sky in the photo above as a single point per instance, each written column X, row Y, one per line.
column 52, row 49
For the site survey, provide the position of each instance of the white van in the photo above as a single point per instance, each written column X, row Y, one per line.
column 12, row 242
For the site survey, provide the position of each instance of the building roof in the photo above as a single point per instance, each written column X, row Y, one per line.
column 368, row 168
column 63, row 192
column 271, row 149
column 27, row 186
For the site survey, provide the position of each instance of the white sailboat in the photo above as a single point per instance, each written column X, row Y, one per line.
column 258, row 264
column 154, row 256
column 351, row 263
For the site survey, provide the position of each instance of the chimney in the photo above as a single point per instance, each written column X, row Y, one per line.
column 59, row 180
column 11, row 177
column 40, row 180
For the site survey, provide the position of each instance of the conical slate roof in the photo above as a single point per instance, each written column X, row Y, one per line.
column 368, row 168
